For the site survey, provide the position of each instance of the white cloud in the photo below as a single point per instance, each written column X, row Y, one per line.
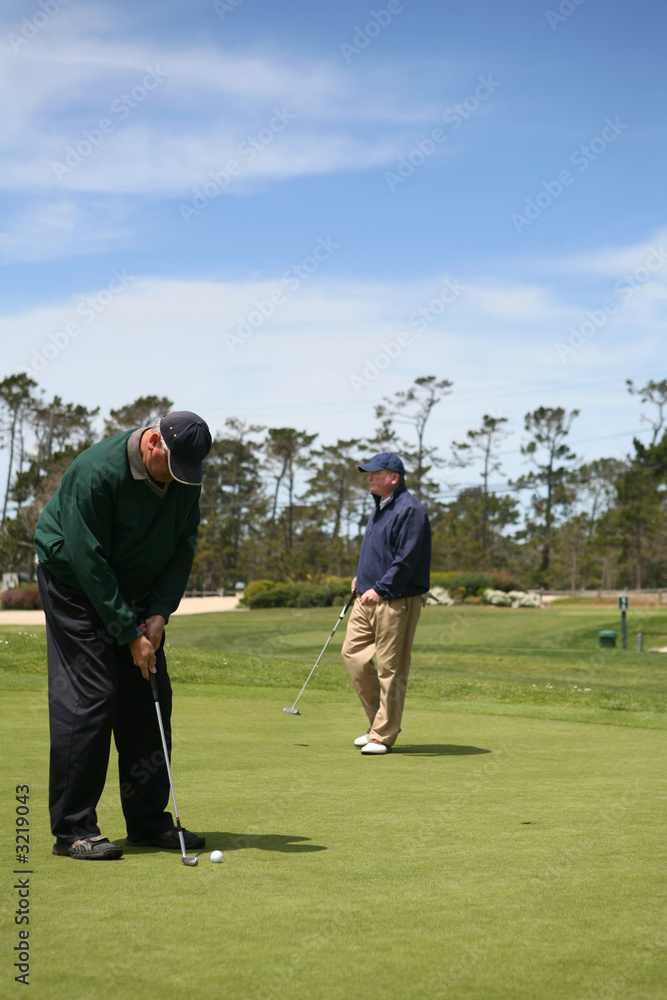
column 614, row 262
column 521, row 303
column 297, row 367
column 317, row 337
column 44, row 230
column 195, row 111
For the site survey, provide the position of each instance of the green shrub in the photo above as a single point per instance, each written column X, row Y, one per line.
column 300, row 595
column 442, row 579
column 464, row 584
column 256, row 587
column 342, row 584
column 280, row 595
column 314, row 596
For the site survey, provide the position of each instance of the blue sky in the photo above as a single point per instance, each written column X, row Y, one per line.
column 286, row 212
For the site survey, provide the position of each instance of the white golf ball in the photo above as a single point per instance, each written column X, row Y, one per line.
column 216, row 857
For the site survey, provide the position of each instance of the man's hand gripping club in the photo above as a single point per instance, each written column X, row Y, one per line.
column 144, row 647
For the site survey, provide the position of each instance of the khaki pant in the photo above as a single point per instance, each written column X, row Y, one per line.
column 386, row 631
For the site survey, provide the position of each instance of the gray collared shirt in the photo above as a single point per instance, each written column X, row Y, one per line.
column 137, row 467
column 383, row 503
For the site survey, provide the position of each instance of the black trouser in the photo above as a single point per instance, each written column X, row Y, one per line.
column 94, row 689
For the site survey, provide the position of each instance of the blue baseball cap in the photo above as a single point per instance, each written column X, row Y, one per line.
column 188, row 442
column 385, row 460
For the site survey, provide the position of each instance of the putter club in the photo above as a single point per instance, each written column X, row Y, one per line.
column 294, row 710
column 187, row 859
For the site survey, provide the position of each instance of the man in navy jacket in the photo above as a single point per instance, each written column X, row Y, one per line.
column 392, row 575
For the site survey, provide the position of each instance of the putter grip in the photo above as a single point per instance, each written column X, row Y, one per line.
column 154, row 687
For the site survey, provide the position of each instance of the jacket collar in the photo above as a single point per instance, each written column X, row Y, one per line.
column 397, row 492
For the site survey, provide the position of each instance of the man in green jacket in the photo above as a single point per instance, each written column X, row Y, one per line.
column 115, row 546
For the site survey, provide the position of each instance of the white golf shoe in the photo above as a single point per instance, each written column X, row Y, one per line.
column 361, row 741
column 375, row 748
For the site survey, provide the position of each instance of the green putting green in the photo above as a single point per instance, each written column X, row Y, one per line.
column 503, row 851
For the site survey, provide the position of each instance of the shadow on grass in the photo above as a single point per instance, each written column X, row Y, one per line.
column 217, row 841
column 438, row 750
column 264, row 842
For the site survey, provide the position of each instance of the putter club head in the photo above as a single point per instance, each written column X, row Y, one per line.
column 190, row 859
column 292, row 711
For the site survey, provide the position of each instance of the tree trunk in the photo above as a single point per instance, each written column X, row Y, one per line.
column 12, row 440
column 275, row 498
column 290, row 512
column 603, row 575
column 638, row 564
column 546, row 552
column 339, row 507
column 485, row 515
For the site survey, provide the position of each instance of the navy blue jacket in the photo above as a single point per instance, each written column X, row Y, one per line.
column 395, row 558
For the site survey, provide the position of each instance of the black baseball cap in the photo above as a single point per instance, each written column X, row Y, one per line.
column 188, row 442
column 385, row 460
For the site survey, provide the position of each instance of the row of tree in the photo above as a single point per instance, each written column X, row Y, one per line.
column 278, row 505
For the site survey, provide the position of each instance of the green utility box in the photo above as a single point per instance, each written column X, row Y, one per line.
column 607, row 637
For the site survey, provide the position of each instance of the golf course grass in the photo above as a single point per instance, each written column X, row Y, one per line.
column 512, row 845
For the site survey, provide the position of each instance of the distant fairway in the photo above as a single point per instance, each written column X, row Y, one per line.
column 504, row 850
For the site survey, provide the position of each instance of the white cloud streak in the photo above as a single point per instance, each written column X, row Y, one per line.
column 154, row 335
column 323, row 333
column 209, row 101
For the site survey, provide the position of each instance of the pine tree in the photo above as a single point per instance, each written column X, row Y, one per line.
column 552, row 458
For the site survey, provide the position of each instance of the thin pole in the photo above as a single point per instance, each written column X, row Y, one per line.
column 338, row 621
column 166, row 760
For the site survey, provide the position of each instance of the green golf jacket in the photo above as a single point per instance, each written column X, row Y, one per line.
column 118, row 536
